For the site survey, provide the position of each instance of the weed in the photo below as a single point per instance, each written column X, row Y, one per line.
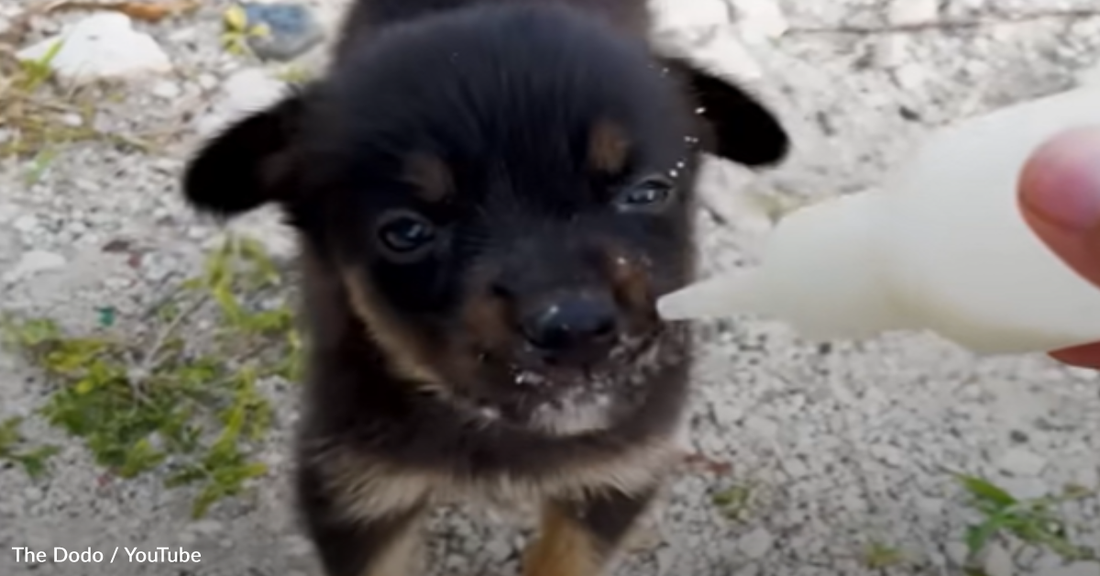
column 37, row 120
column 187, row 407
column 880, row 556
column 1032, row 521
column 734, row 502
column 14, row 449
column 238, row 30
column 294, row 73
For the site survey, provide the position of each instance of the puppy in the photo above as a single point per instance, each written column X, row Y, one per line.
column 489, row 196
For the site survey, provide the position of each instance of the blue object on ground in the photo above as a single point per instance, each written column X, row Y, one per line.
column 293, row 29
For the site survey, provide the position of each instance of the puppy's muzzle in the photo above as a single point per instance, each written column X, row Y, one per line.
column 577, row 329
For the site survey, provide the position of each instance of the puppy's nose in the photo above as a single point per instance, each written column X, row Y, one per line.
column 574, row 324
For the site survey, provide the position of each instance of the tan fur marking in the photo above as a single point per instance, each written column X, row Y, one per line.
column 608, row 147
column 367, row 489
column 563, row 548
column 630, row 282
column 431, row 177
column 402, row 557
column 484, row 317
column 402, row 350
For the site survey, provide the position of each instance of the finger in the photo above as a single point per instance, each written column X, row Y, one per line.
column 1059, row 196
column 1087, row 356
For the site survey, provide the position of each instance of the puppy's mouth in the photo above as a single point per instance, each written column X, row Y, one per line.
column 567, row 399
column 533, row 371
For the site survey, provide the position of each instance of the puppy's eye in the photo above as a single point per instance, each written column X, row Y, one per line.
column 405, row 235
column 649, row 194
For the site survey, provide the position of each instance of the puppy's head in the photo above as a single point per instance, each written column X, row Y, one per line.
column 503, row 191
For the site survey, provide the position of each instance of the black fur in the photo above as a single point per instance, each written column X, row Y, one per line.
column 549, row 127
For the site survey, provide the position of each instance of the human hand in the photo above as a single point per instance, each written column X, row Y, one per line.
column 1059, row 195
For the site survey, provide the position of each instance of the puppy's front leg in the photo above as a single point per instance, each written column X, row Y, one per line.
column 360, row 539
column 579, row 537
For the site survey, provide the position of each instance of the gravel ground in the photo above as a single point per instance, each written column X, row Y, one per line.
column 838, row 447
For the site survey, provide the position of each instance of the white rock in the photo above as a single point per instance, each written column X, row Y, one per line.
column 103, row 46
column 891, row 51
column 1021, row 462
column 681, row 15
column 998, row 562
column 498, row 549
column 32, row 263
column 252, row 88
column 8, row 212
column 910, row 76
column 167, row 90
column 760, row 20
column 246, row 91
column 1075, row 569
column 956, row 553
column 25, row 223
column 207, row 527
column 906, row 12
column 755, row 544
column 207, row 81
column 726, row 53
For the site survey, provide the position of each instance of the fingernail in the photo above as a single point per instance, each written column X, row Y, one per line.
column 1060, row 184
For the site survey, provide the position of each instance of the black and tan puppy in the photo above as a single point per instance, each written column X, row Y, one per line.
column 489, row 196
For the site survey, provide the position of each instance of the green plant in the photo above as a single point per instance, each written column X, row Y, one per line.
column 37, row 72
column 38, row 119
column 14, row 449
column 237, row 30
column 735, row 501
column 294, row 73
column 1033, row 521
column 880, row 556
column 159, row 392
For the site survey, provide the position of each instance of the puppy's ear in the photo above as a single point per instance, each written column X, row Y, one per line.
column 249, row 164
column 742, row 129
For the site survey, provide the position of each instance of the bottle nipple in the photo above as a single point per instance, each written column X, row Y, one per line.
column 715, row 298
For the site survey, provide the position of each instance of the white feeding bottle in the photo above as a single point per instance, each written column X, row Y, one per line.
column 942, row 247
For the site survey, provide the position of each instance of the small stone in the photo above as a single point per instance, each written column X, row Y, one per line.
column 760, row 20
column 1075, row 569
column 252, row 88
column 498, row 549
column 956, row 553
column 166, row 90
column 184, row 35
column 207, row 527
column 298, row 546
column 72, row 119
column 292, row 29
column 101, row 47
column 910, row 76
column 207, row 81
column 244, row 92
column 25, row 223
column 683, row 16
column 666, row 560
column 727, row 52
column 891, row 51
column 755, row 544
column 8, row 212
column 998, row 562
column 32, row 263
column 908, row 12
column 1021, row 462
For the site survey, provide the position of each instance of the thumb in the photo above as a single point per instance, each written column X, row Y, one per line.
column 1059, row 197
